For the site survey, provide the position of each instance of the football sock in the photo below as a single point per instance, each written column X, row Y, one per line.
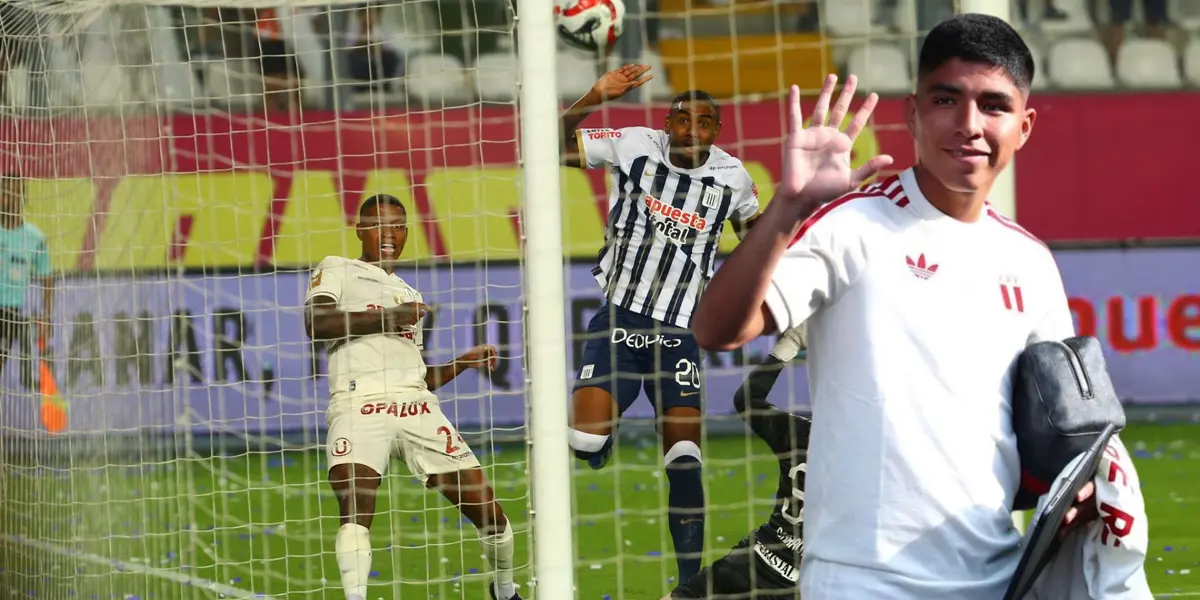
column 499, row 549
column 353, row 549
column 685, row 510
column 587, row 445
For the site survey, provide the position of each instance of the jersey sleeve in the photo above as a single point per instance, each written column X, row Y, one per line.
column 41, row 259
column 817, row 269
column 745, row 204
column 327, row 280
column 1056, row 323
column 607, row 147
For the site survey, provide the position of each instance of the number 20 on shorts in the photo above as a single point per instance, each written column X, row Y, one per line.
column 687, row 373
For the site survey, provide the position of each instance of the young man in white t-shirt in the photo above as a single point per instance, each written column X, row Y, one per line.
column 381, row 402
column 918, row 298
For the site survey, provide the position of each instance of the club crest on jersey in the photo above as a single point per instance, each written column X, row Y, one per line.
column 675, row 223
column 340, row 447
column 315, row 280
column 712, row 198
column 1011, row 295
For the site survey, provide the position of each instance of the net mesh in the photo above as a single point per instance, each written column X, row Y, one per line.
column 188, row 164
column 186, row 170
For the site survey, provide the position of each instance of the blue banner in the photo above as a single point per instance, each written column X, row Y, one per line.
column 229, row 354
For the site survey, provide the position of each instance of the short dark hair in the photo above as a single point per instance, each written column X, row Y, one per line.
column 697, row 96
column 981, row 39
column 377, row 200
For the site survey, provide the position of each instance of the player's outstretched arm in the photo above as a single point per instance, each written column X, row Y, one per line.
column 610, row 86
column 479, row 357
column 816, row 170
column 324, row 321
column 777, row 428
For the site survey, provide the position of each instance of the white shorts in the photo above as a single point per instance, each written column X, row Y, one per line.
column 369, row 430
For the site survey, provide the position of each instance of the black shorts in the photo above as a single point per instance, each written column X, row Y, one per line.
column 626, row 352
column 736, row 576
column 1153, row 11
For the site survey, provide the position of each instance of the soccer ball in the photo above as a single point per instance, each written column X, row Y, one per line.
column 592, row 25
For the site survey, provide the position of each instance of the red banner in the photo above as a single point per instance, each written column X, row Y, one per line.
column 1098, row 167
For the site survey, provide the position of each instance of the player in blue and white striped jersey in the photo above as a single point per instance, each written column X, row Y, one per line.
column 673, row 191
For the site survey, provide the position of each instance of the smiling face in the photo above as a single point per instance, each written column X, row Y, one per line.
column 383, row 230
column 968, row 120
column 693, row 127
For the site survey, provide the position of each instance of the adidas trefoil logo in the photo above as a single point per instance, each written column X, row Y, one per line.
column 920, row 268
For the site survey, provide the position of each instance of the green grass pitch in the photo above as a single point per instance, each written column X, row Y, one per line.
column 264, row 524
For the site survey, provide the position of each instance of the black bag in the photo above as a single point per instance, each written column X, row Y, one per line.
column 1063, row 399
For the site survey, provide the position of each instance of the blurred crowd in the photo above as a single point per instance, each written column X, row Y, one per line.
column 286, row 58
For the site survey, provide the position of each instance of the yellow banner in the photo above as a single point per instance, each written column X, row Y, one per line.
column 218, row 220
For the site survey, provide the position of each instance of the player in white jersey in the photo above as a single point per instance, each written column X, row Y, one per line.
column 673, row 191
column 381, row 400
column 919, row 297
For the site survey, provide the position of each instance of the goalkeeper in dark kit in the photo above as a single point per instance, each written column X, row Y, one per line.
column 766, row 564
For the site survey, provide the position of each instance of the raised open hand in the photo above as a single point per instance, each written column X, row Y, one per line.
column 617, row 82
column 816, row 163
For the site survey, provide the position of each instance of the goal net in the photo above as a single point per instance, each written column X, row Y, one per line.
column 187, row 165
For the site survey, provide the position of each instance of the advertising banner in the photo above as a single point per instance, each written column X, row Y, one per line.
column 229, row 353
column 231, row 191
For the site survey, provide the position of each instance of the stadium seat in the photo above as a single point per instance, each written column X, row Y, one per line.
column 848, row 18
column 1191, row 62
column 1077, row 21
column 411, row 26
column 576, row 75
column 496, row 77
column 437, row 80
column 1080, row 64
column 1148, row 63
column 881, row 68
column 1185, row 13
column 659, row 88
column 906, row 17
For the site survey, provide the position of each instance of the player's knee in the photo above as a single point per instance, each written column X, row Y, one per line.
column 352, row 537
column 682, row 451
column 586, row 444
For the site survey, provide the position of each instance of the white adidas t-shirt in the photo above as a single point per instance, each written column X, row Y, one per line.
column 916, row 322
column 372, row 364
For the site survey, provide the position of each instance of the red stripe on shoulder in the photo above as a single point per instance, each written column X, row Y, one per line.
column 1003, row 220
column 894, row 180
column 824, row 210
